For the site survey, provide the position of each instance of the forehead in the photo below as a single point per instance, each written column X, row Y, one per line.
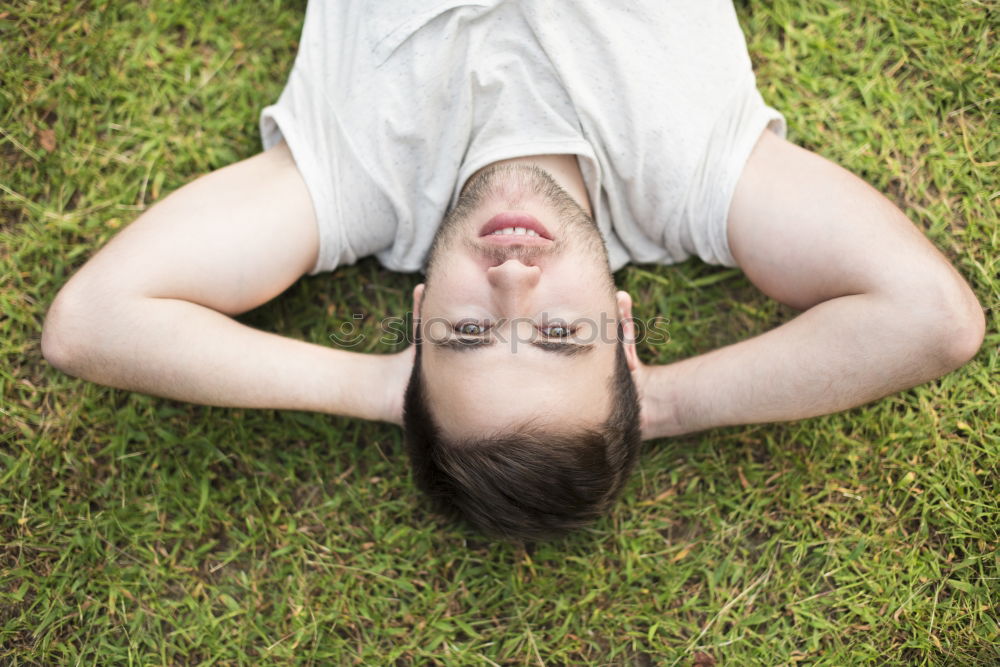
column 491, row 390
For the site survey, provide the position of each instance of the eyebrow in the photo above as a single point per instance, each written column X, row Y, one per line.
column 466, row 344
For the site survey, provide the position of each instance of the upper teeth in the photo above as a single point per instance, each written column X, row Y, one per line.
column 516, row 230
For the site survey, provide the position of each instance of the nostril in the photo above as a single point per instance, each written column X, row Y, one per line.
column 513, row 274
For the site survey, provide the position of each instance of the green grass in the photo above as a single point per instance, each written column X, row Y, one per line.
column 136, row 530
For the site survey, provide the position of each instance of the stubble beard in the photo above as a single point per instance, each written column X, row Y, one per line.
column 514, row 185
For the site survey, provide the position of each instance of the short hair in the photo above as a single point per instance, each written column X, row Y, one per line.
column 528, row 484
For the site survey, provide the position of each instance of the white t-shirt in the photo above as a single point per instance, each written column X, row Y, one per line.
column 393, row 104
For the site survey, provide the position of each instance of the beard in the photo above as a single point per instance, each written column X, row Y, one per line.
column 514, row 185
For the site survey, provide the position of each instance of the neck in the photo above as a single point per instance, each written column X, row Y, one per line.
column 564, row 169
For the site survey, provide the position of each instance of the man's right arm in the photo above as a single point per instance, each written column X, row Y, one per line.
column 151, row 312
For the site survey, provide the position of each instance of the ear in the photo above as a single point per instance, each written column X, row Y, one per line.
column 418, row 297
column 624, row 302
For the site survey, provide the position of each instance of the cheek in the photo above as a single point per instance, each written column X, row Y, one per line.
column 457, row 281
column 580, row 285
column 451, row 268
column 459, row 291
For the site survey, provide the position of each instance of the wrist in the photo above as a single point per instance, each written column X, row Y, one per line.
column 395, row 375
column 660, row 414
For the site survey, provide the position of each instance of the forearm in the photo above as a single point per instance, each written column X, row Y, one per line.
column 188, row 352
column 837, row 355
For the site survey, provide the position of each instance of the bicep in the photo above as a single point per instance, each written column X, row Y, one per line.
column 805, row 230
column 230, row 240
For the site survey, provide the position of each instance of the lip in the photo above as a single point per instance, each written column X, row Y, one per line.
column 514, row 219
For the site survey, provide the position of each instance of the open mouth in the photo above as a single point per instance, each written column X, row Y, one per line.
column 513, row 226
column 515, row 231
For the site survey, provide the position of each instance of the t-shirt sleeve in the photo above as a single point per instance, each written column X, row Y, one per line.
column 704, row 216
column 667, row 96
column 291, row 119
column 315, row 117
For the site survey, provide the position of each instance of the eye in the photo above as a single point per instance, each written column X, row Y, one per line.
column 470, row 329
column 558, row 330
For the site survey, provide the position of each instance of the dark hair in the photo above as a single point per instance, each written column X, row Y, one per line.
column 528, row 484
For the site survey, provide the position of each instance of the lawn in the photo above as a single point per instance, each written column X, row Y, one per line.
column 135, row 530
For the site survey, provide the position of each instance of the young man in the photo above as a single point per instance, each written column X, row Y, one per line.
column 563, row 140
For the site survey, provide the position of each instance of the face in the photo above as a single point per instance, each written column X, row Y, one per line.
column 519, row 317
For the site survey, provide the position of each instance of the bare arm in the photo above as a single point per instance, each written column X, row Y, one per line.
column 151, row 311
column 884, row 310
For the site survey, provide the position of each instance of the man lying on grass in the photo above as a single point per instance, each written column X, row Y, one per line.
column 562, row 143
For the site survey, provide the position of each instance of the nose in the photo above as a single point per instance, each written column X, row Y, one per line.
column 512, row 282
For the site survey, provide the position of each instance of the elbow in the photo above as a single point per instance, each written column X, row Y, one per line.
column 62, row 335
column 958, row 323
column 966, row 330
column 52, row 348
column 56, row 341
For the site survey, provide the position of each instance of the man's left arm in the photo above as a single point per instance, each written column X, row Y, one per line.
column 883, row 309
